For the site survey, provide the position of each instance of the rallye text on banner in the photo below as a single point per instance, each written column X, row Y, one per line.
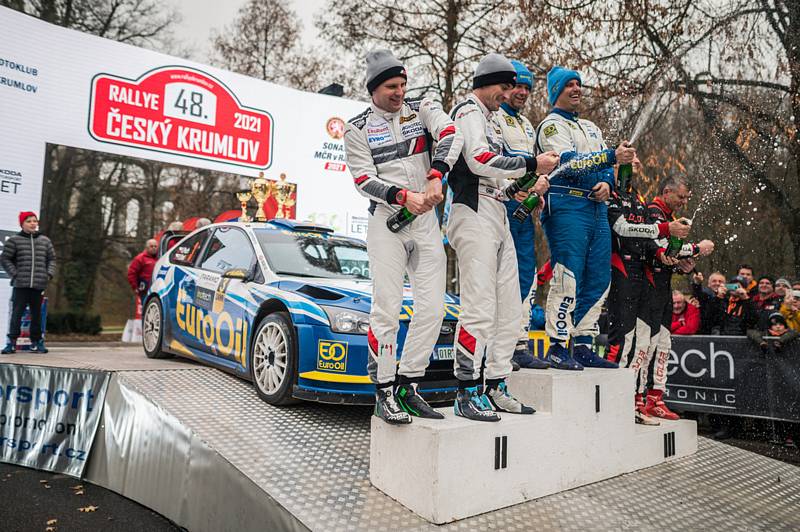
column 282, row 304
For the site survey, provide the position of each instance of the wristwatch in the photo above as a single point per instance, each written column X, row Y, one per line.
column 400, row 197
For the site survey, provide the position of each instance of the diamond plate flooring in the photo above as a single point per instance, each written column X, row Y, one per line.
column 314, row 460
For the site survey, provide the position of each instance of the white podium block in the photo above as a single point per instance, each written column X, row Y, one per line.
column 583, row 432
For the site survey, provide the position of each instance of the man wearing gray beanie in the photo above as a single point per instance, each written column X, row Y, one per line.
column 398, row 151
column 478, row 229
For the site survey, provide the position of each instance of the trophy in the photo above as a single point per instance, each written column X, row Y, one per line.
column 261, row 190
column 244, row 196
column 283, row 197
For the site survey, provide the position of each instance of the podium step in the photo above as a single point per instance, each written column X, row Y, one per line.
column 583, row 432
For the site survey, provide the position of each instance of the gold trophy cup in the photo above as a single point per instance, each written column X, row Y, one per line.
column 261, row 190
column 283, row 197
column 243, row 197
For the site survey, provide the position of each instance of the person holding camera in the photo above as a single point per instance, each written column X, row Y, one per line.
column 735, row 311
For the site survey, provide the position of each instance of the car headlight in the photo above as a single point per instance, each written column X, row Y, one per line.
column 347, row 321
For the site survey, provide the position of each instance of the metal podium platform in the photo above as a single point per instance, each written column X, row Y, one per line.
column 198, row 446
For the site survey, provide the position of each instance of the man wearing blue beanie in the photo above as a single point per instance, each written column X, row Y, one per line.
column 575, row 222
column 519, row 138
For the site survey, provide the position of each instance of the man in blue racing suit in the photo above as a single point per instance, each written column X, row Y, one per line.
column 575, row 222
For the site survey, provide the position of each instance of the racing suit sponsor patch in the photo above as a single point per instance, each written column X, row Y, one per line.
column 550, row 130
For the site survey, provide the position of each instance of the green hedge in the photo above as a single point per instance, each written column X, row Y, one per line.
column 73, row 322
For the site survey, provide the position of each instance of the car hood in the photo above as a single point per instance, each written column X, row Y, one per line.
column 354, row 294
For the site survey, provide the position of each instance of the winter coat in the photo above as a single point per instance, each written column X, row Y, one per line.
column 140, row 271
column 29, row 259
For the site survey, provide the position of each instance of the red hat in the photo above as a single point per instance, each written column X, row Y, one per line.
column 24, row 215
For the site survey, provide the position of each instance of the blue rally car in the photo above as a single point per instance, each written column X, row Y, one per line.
column 282, row 304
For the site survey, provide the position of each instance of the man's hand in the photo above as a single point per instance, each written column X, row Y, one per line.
column 602, row 191
column 741, row 293
column 722, row 291
column 706, row 247
column 546, row 162
column 666, row 259
column 676, row 228
column 522, row 195
column 697, row 278
column 541, row 186
column 625, row 153
column 433, row 192
column 693, row 301
column 539, row 207
column 416, row 203
column 686, row 265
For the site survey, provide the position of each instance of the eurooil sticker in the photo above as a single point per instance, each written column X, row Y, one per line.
column 332, row 356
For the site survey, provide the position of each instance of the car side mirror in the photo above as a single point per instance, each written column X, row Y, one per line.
column 237, row 273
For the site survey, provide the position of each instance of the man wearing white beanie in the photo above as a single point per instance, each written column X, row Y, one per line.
column 478, row 229
column 391, row 154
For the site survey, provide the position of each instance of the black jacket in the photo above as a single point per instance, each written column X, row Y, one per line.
column 735, row 317
column 29, row 259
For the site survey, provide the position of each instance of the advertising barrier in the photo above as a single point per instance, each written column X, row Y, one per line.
column 49, row 416
column 730, row 375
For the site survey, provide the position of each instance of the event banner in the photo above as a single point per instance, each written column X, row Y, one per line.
column 730, row 375
column 65, row 89
column 49, row 416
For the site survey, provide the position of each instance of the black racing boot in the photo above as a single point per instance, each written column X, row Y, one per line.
column 413, row 403
column 524, row 359
column 471, row 404
column 387, row 409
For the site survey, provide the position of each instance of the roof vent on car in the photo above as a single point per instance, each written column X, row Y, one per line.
column 319, row 293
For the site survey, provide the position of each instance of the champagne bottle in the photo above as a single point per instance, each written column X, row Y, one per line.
column 399, row 220
column 526, row 207
column 624, row 174
column 523, row 183
column 675, row 244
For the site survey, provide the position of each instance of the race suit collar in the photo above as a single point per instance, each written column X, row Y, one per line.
column 663, row 206
column 508, row 109
column 480, row 105
column 565, row 114
column 384, row 113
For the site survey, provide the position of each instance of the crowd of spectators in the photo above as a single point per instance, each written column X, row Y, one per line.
column 746, row 305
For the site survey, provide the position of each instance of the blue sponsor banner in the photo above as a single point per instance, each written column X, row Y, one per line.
column 49, row 416
column 731, row 375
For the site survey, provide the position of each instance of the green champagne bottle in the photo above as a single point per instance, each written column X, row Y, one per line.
column 526, row 207
column 399, row 220
column 523, row 183
column 675, row 244
column 624, row 175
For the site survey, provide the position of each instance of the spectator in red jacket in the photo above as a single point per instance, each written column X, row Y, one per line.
column 140, row 271
column 685, row 317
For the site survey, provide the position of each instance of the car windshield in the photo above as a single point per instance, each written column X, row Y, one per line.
column 314, row 255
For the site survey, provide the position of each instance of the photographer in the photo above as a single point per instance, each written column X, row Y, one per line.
column 790, row 309
column 735, row 311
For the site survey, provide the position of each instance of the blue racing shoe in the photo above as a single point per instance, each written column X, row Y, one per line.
column 523, row 357
column 559, row 358
column 587, row 358
column 472, row 404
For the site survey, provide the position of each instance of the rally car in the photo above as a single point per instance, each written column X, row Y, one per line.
column 282, row 304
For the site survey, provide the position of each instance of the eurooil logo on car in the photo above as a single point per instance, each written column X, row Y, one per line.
column 182, row 111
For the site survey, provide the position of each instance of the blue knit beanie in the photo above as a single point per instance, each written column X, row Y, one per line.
column 524, row 76
column 557, row 78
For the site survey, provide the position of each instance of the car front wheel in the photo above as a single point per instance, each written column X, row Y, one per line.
column 273, row 359
column 153, row 329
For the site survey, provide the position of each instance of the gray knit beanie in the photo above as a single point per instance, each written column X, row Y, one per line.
column 382, row 65
column 493, row 70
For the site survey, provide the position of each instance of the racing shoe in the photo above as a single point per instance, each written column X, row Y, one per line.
column 9, row 349
column 657, row 408
column 641, row 415
column 502, row 401
column 559, row 358
column 589, row 359
column 413, row 403
column 523, row 357
column 387, row 409
column 471, row 405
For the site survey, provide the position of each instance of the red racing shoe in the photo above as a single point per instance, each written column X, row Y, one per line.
column 655, row 407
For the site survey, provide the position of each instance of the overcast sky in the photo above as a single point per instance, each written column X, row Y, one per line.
column 199, row 17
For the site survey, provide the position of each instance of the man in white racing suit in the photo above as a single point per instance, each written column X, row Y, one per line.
column 389, row 149
column 519, row 138
column 478, row 229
